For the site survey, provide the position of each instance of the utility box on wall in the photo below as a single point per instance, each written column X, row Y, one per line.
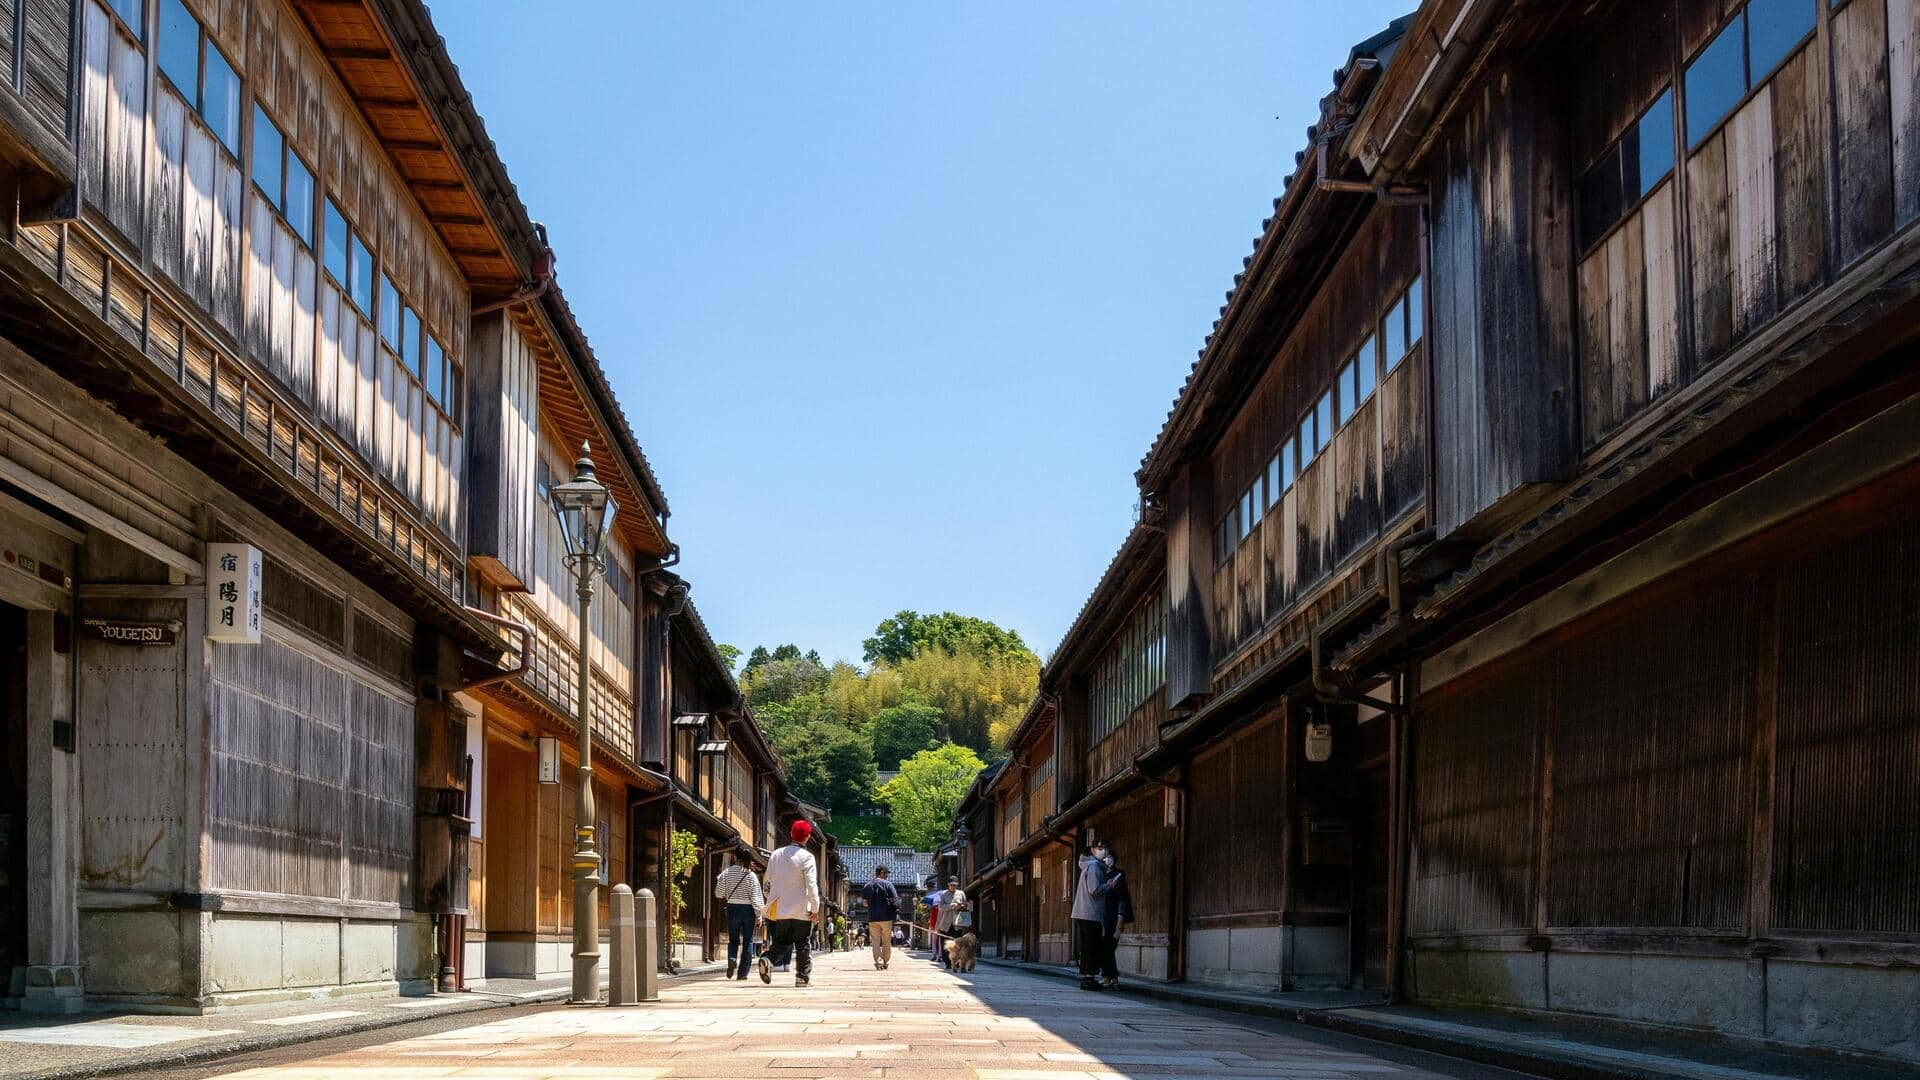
column 1325, row 840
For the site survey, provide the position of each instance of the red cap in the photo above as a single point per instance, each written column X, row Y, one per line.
column 801, row 830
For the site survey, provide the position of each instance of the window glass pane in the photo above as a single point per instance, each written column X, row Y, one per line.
column 1415, row 313
column 1365, row 373
column 360, row 287
column 335, row 241
column 1303, row 444
column 178, row 49
column 220, row 106
column 299, row 207
column 389, row 313
column 1247, row 511
column 1289, row 455
column 1342, row 393
column 456, row 391
column 1323, row 422
column 435, row 373
column 1601, row 197
column 129, row 11
column 1393, row 331
column 1774, row 28
column 1654, row 136
column 268, row 153
column 1716, row 80
column 1274, row 486
column 410, row 338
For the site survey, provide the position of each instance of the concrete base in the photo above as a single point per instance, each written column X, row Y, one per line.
column 1835, row 1008
column 52, row 989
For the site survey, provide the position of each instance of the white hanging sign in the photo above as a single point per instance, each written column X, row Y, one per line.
column 1319, row 742
column 233, row 593
column 549, row 760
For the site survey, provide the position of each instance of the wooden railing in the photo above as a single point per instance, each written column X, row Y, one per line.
column 553, row 673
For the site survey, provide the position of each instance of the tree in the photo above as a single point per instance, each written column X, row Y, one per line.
column 729, row 655
column 902, row 731
column 909, row 633
column 680, row 862
column 829, row 765
column 922, row 799
column 981, row 695
column 861, row 830
column 782, row 678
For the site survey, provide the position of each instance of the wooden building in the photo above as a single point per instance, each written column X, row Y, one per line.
column 1519, row 615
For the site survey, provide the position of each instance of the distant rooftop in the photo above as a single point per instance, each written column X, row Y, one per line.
column 904, row 865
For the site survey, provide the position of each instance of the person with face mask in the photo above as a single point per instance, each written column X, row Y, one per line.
column 1117, row 912
column 1089, row 911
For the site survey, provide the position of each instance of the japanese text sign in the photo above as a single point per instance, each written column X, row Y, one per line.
column 233, row 593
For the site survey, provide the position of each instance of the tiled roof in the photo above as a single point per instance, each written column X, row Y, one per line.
column 1271, row 229
column 899, row 861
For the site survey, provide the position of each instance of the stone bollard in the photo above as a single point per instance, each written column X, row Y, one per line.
column 646, row 930
column 621, row 987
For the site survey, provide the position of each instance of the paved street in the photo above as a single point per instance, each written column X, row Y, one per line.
column 911, row 1021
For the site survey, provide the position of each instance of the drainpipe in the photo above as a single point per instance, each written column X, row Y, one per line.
column 542, row 280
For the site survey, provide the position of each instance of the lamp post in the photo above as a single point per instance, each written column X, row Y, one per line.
column 581, row 504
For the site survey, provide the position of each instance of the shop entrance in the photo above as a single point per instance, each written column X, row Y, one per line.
column 13, row 787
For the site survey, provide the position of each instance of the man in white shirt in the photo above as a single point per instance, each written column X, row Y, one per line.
column 793, row 897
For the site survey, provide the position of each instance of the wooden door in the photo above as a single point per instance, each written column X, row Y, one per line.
column 13, row 787
column 1373, row 847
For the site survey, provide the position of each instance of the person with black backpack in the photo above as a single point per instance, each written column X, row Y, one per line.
column 883, row 907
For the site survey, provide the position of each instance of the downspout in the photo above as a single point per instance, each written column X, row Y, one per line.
column 542, row 280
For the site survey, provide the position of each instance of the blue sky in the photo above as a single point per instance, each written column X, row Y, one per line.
column 896, row 295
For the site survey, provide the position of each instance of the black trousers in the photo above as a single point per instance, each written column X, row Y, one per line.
column 791, row 937
column 740, row 920
column 1109, row 953
column 1090, row 943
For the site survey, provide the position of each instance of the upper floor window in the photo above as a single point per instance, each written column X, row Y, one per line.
column 1400, row 329
column 1628, row 170
column 133, row 14
column 195, row 67
column 281, row 176
column 348, row 259
column 389, row 313
column 1758, row 39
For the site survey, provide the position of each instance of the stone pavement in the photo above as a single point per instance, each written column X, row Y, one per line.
column 913, row 1020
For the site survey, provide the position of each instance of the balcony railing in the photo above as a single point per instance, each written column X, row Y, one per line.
column 553, row 672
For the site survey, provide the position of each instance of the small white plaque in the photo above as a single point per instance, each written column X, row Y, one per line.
column 233, row 593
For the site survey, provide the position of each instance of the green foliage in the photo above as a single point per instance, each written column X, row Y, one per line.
column 902, row 731
column 829, row 765
column 729, row 655
column 908, row 633
column 981, row 696
column 861, row 830
column 928, row 790
column 782, row 678
column 680, row 862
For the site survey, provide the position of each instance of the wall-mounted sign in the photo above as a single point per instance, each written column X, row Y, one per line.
column 233, row 593
column 549, row 761
column 1319, row 742
column 124, row 632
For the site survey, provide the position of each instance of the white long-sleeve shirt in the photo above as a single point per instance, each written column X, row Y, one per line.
column 793, row 884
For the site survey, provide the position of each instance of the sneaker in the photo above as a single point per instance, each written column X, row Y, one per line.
column 766, row 970
column 1113, row 983
column 802, row 983
column 1089, row 984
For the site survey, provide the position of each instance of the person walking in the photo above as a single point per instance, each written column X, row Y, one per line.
column 1117, row 912
column 793, row 899
column 933, row 899
column 1089, row 911
column 740, row 889
column 883, row 906
column 953, row 907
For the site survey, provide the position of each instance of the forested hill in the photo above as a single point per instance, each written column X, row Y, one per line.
column 936, row 700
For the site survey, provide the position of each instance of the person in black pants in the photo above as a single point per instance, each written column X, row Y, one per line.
column 740, row 889
column 1118, row 913
column 1089, row 911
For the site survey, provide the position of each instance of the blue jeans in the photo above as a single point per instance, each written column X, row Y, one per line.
column 740, row 920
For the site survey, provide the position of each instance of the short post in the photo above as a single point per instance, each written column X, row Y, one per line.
column 621, row 987
column 646, row 932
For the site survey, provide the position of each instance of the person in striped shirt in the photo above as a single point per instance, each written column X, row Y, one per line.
column 740, row 888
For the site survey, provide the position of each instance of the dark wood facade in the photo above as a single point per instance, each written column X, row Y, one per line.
column 1564, row 665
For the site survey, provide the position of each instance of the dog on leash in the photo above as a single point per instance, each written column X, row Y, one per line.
column 962, row 951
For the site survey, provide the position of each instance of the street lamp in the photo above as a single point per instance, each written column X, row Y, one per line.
column 581, row 504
